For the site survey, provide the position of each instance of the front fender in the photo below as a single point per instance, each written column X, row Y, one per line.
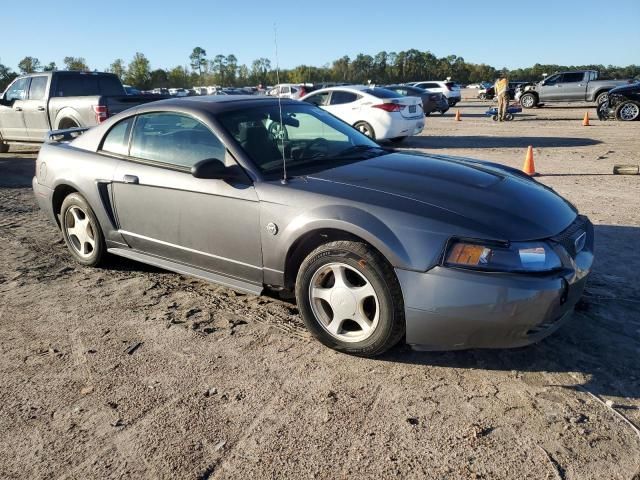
column 351, row 220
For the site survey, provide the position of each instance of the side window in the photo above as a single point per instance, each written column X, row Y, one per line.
column 572, row 77
column 319, row 99
column 552, row 80
column 18, row 90
column 174, row 139
column 284, row 90
column 339, row 97
column 117, row 140
column 37, row 88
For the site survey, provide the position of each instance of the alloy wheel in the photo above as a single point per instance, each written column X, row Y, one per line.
column 629, row 111
column 80, row 231
column 344, row 302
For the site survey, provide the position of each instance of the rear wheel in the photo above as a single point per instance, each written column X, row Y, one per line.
column 509, row 116
column 365, row 128
column 81, row 231
column 628, row 111
column 350, row 298
column 528, row 100
column 67, row 123
column 601, row 98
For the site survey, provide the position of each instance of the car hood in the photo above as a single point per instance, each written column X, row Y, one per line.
column 631, row 88
column 489, row 199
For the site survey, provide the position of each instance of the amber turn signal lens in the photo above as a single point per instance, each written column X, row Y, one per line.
column 468, row 254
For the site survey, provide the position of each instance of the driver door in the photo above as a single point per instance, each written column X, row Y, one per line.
column 12, row 112
column 164, row 211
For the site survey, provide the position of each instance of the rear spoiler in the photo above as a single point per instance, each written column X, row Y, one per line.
column 65, row 135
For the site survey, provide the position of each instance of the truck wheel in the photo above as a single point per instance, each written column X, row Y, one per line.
column 67, row 123
column 601, row 98
column 350, row 298
column 628, row 111
column 4, row 147
column 528, row 100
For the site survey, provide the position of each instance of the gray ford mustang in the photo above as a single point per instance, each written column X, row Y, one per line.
column 377, row 245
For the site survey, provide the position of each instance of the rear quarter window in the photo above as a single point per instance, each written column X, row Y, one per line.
column 117, row 140
column 382, row 93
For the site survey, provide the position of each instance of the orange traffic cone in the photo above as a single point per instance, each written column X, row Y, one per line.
column 458, row 116
column 529, row 167
column 585, row 122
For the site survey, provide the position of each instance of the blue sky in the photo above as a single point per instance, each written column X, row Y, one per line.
column 314, row 33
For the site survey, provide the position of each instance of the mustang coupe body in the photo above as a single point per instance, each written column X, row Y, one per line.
column 378, row 246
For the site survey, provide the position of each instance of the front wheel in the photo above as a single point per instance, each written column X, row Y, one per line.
column 366, row 129
column 350, row 298
column 81, row 231
column 528, row 100
column 628, row 111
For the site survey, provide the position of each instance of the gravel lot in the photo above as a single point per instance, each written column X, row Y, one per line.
column 131, row 371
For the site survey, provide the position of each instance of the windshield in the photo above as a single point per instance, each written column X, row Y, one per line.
column 308, row 138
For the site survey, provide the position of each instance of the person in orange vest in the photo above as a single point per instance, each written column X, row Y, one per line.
column 502, row 93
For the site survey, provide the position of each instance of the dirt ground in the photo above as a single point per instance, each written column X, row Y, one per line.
column 133, row 372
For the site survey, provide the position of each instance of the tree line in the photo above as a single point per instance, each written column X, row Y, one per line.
column 381, row 68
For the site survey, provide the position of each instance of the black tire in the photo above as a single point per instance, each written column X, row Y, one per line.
column 95, row 255
column 528, row 100
column 628, row 111
column 397, row 139
column 67, row 123
column 360, row 257
column 4, row 147
column 508, row 116
column 365, row 129
column 426, row 114
column 482, row 96
column 442, row 112
column 494, row 117
column 602, row 97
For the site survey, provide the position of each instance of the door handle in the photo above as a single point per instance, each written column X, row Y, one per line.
column 41, row 108
column 17, row 109
column 131, row 179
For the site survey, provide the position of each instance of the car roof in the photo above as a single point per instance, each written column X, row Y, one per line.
column 213, row 104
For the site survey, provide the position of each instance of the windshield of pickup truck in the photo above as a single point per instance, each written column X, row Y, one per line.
column 84, row 84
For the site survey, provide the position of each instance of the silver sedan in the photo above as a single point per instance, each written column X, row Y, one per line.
column 379, row 246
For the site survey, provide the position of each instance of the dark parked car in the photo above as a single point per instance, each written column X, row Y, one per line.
column 379, row 246
column 623, row 103
column 431, row 102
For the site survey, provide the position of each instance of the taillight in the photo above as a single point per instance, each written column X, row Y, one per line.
column 102, row 113
column 389, row 107
column 303, row 92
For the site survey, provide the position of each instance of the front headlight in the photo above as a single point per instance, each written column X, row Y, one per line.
column 513, row 257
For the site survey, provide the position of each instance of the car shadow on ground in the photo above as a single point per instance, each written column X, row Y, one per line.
column 17, row 172
column 600, row 343
column 485, row 141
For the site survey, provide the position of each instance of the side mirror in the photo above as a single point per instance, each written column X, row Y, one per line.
column 211, row 168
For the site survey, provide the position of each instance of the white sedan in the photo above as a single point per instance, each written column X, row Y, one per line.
column 378, row 113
